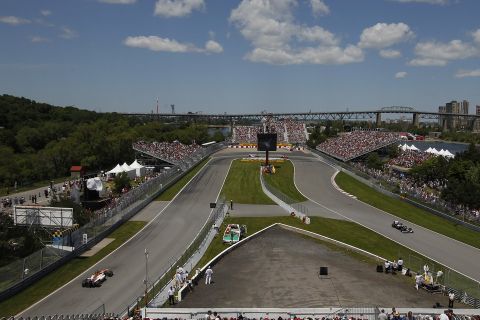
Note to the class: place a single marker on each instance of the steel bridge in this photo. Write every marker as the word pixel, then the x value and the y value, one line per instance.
pixel 443 118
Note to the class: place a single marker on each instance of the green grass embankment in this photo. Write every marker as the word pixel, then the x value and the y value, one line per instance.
pixel 407 211
pixel 243 184
pixel 67 272
pixel 283 181
pixel 168 194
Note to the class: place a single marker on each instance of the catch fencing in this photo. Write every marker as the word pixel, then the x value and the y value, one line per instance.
pixel 164 279
pixel 466 290
pixel 21 273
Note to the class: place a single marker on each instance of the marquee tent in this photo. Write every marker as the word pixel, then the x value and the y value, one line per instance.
pixel 139 169
pixel 115 170
pixel 131 173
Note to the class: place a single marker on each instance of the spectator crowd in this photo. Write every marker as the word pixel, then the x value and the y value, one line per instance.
pixel 172 152
pixel 287 130
pixel 410 158
pixel 356 143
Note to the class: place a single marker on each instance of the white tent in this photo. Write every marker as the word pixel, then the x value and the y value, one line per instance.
pixel 449 154
pixel 434 151
pixel 413 148
pixel 131 173
pixel 405 147
pixel 400 145
pixel 429 150
pixel 115 170
pixel 139 169
pixel 441 152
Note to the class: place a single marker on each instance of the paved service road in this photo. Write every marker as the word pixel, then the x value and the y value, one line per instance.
pixel 313 179
pixel 166 237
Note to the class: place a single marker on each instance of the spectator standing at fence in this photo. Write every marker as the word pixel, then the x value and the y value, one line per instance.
pixel 208 275
pixel 451 299
pixel 171 297
pixel 382 315
pixel 400 264
pixel 418 280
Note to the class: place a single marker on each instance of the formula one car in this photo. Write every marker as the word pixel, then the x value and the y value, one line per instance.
pixel 96 279
pixel 401 227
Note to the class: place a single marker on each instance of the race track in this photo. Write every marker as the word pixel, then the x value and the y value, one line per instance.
pixel 166 237
pixel 312 178
pixel 169 234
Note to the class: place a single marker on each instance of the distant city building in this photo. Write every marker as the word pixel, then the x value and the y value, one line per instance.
pixel 454 107
pixel 476 125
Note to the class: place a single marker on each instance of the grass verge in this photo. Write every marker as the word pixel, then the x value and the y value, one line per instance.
pixel 168 194
pixel 350 233
pixel 407 211
pixel 243 184
pixel 282 180
pixel 67 272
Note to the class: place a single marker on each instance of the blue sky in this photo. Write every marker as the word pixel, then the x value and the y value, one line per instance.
pixel 241 56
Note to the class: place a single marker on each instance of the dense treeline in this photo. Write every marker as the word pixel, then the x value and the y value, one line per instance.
pixel 40 142
pixel 460 175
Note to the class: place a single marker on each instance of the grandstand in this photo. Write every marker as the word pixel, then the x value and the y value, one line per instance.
pixel 354 144
pixel 288 132
pixel 171 152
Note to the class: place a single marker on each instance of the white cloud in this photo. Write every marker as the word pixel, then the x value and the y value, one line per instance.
pixel 155 43
pixel 319 7
pixel 390 54
pixel 270 27
pixel 427 62
pixel 383 35
pixel 213 47
pixel 118 1
pixel 433 53
pixel 177 8
pixel 316 34
pixel 45 13
pixel 400 75
pixel 439 2
pixel 14 21
pixel 476 36
pixel 467 73
pixel 37 39
pixel 67 33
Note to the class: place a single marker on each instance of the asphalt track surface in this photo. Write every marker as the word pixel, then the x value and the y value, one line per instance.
pixel 169 234
pixel 312 178
pixel 166 237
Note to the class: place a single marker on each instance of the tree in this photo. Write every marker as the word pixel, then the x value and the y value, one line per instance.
pixel 374 161
pixel 121 181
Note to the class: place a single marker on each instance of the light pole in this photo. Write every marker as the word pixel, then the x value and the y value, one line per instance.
pixel 146 281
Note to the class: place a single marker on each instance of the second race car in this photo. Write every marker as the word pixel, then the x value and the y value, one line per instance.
pixel 401 227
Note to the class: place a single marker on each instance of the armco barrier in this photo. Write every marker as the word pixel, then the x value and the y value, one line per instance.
pixel 126 214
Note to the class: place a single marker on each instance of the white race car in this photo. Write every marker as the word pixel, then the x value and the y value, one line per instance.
pixel 96 279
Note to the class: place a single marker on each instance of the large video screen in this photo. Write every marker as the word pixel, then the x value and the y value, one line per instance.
pixel 267 142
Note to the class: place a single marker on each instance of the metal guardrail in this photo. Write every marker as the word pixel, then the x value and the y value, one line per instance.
pixel 280 195
pixel 39 263
pixel 164 279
